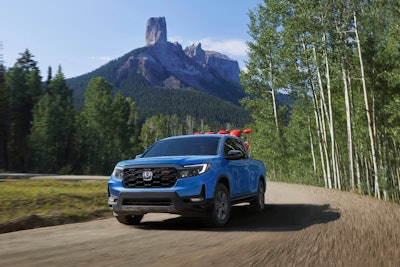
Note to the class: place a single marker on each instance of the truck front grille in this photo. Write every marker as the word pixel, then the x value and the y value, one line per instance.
pixel 147 202
pixel 159 178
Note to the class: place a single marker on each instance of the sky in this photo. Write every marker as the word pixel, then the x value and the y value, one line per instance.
pixel 82 35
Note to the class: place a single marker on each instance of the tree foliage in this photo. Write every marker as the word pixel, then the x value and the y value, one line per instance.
pixel 106 125
pixel 23 89
pixel 53 128
pixel 340 62
pixel 3 117
pixel 42 131
pixel 152 100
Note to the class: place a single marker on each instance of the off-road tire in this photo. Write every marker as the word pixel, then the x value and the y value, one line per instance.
pixel 221 208
pixel 258 203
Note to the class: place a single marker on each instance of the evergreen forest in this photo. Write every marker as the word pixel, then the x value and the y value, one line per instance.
pixel 44 130
pixel 339 62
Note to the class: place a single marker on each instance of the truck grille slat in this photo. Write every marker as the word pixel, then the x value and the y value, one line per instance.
pixel 162 177
pixel 147 202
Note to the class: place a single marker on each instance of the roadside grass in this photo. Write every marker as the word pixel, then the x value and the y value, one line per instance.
pixel 52 202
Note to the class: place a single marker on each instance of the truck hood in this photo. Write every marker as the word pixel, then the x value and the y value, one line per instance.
pixel 176 160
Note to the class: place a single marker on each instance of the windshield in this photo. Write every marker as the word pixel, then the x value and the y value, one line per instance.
pixel 184 147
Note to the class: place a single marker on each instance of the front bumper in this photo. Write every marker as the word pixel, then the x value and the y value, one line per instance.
pixel 138 203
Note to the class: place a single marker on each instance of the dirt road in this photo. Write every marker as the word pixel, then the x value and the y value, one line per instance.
pixel 301 226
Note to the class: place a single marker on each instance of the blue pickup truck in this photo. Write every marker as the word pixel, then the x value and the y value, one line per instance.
pixel 192 175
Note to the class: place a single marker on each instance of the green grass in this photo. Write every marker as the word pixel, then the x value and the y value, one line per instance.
pixel 56 200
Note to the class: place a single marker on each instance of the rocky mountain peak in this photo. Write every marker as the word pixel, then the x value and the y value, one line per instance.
pixel 227 67
pixel 197 53
pixel 156 31
pixel 166 64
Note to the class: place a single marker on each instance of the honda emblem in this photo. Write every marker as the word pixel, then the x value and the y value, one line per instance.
pixel 147 176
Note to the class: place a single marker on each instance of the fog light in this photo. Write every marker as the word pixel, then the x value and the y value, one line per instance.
pixel 196 199
pixel 112 199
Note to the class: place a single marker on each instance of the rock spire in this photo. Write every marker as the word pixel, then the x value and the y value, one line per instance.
pixel 156 31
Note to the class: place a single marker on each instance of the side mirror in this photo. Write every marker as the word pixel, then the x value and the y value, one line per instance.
pixel 138 156
pixel 234 154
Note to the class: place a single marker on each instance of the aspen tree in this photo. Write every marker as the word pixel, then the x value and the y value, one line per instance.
pixel 368 113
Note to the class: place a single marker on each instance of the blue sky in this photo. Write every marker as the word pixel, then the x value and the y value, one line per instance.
pixel 82 35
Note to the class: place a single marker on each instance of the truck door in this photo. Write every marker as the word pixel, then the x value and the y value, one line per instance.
pixel 238 167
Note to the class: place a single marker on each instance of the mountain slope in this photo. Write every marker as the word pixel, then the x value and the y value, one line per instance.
pixel 162 78
pixel 153 100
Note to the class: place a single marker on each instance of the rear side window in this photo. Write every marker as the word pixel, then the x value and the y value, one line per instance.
pixel 234 144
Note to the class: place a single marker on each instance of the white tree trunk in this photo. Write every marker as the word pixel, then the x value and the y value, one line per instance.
pixel 273 94
pixel 335 165
pixel 319 134
pixel 324 145
pixel 358 173
pixel 317 116
pixel 320 143
pixel 325 114
pixel 369 119
pixel 312 144
pixel 349 131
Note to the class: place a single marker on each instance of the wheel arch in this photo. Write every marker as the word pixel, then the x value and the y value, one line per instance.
pixel 263 180
pixel 225 181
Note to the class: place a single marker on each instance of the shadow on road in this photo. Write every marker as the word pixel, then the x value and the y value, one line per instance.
pixel 275 217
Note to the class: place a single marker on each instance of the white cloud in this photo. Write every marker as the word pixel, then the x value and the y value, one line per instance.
pixel 101 58
pixel 233 47
pixel 174 39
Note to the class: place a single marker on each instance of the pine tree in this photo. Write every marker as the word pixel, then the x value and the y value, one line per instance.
pixel 49 78
pixel 4 115
pixel 53 128
pixel 23 83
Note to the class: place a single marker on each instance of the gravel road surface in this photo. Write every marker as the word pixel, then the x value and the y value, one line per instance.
pixel 301 226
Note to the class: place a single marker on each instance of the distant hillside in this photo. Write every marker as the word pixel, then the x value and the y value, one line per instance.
pixel 162 78
pixel 110 72
pixel 152 100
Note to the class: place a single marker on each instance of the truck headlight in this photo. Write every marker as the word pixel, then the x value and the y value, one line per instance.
pixel 193 170
pixel 118 173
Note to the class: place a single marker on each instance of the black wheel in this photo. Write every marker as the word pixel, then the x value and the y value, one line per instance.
pixel 222 207
pixel 129 219
pixel 258 203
